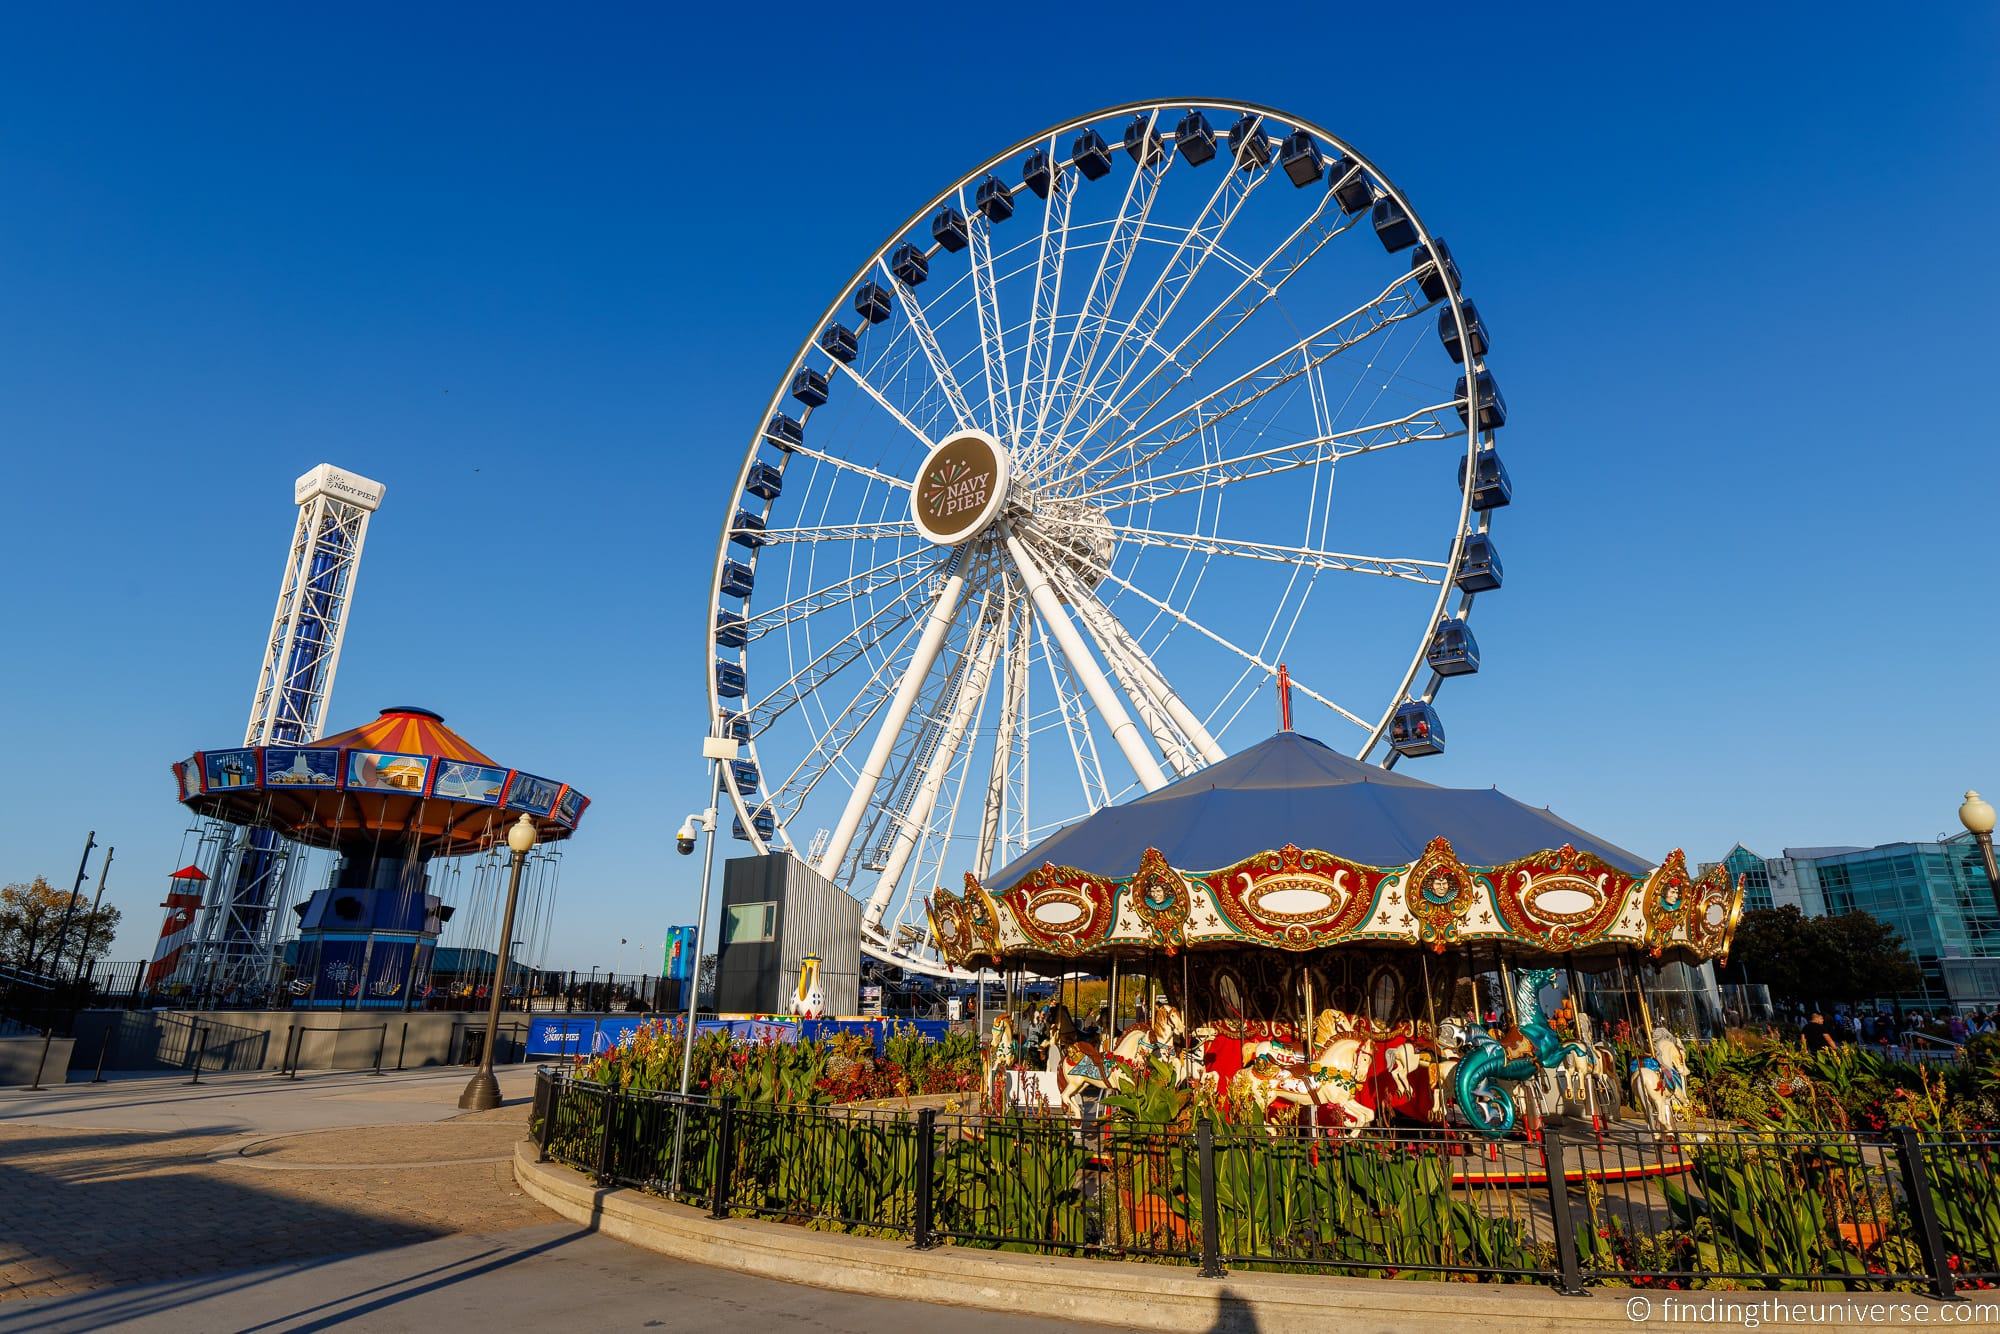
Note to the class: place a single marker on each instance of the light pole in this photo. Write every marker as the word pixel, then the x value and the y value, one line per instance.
pixel 717 750
pixel 1976 814
pixel 75 894
pixel 90 922
pixel 482 1092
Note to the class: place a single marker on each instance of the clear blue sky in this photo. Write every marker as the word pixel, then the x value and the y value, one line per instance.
pixel 538 272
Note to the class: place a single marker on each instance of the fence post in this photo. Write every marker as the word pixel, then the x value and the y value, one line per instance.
pixel 725 1157
pixel 920 1227
pixel 201 1052
pixel 402 1044
pixel 546 1093
pixel 1923 1211
pixel 1211 1218
pixel 1569 1272
pixel 97 1075
pixel 604 1138
pixel 381 1041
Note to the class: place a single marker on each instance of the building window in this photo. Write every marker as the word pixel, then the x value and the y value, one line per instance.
pixel 749 923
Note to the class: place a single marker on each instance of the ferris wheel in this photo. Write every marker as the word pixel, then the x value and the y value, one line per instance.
pixel 1049 492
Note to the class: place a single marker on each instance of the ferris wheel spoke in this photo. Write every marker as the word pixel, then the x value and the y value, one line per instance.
pixel 1040 351
pixel 1190 255
pixel 919 324
pixel 830 660
pixel 847 465
pixel 1411 569
pixel 1206 338
pixel 1006 781
pixel 1430 423
pixel 1102 295
pixel 854 588
pixel 992 340
pixel 1401 300
pixel 832 532
pixel 931 768
pixel 1268 669
pixel 881 401
pixel 830 743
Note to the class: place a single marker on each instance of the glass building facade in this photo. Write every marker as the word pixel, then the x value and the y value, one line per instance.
pixel 1935 896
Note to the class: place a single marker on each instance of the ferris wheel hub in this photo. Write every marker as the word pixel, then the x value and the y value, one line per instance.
pixel 961 488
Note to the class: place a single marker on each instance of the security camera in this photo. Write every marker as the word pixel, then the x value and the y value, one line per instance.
pixel 684 837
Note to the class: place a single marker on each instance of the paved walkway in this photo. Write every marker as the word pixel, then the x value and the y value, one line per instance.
pixel 250 1202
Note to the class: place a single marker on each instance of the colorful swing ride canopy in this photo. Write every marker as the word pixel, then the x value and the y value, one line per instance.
pixel 404 776
pixel 1290 845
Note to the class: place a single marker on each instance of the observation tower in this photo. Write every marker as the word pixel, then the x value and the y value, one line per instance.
pixel 234 942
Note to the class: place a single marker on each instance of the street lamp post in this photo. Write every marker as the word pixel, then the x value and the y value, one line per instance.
pixel 718 751
pixel 482 1092
pixel 1976 814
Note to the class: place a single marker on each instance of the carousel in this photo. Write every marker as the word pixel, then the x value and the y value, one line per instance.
pixel 1341 946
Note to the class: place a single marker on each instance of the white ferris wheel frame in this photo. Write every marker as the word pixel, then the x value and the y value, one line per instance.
pixel 1185 742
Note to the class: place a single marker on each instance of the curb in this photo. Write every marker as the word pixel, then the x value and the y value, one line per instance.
pixel 1123 1292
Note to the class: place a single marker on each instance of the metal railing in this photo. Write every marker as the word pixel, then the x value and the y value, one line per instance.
pixel 1831 1211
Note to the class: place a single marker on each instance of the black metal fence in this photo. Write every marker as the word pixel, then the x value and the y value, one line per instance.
pixel 1834 1211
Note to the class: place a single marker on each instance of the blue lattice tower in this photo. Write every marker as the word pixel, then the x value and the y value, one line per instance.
pixel 254 870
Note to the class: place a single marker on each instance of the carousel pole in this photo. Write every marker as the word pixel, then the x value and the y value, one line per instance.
pixel 1589 1044
pixel 1307 1033
pixel 1111 1006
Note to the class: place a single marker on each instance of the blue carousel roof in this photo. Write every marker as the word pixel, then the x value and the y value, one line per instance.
pixel 1293 789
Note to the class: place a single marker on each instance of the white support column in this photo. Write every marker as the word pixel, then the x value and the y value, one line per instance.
pixel 921 660
pixel 903 841
pixel 1013 697
pixel 1150 678
pixel 1177 752
pixel 1123 730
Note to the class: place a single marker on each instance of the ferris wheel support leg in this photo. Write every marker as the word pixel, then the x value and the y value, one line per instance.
pixel 921 660
pixel 971 694
pixel 1123 730
pixel 1150 677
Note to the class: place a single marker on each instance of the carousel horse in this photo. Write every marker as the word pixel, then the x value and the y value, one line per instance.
pixel 1519 1054
pixel 1075 1062
pixel 1000 1050
pixel 1159 1037
pixel 1332 1079
pixel 1660 1081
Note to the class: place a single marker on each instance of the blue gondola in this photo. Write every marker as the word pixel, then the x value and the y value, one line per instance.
pixel 1415 730
pixel 1492 407
pixel 1393 227
pixel 1038 172
pixel 1434 278
pixel 994 199
pixel 1302 159
pixel 767 824
pixel 949 229
pixel 738 579
pixel 747 530
pixel 745 774
pixel 1249 146
pixel 909 265
pixel 784 432
pixel 1491 487
pixel 1475 330
pixel 809 386
pixel 1195 138
pixel 729 680
pixel 872 303
pixel 1453 651
pixel 1349 184
pixel 1091 155
pixel 766 481
pixel 730 630
pixel 1479 567
pixel 736 725
pixel 1143 142
pixel 838 341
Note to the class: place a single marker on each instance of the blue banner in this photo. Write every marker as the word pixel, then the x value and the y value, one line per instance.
pixel 559 1036
pixel 678 965
pixel 616 1032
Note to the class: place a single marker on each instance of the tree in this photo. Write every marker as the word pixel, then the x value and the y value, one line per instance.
pixel 1855 956
pixel 31 916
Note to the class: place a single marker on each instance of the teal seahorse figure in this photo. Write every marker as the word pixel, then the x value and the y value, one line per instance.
pixel 1488 1107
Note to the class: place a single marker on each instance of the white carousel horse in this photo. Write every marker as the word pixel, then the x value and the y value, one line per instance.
pixel 1660 1081
pixel 1074 1062
pixel 1159 1037
pixel 1000 1050
pixel 1332 1078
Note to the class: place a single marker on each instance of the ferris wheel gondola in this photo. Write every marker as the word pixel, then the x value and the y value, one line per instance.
pixel 1048 492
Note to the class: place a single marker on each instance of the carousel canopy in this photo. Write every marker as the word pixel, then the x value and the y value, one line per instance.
pixel 404 776
pixel 1291 845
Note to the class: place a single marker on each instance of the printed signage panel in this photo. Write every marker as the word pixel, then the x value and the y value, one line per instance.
pixel 558 1036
